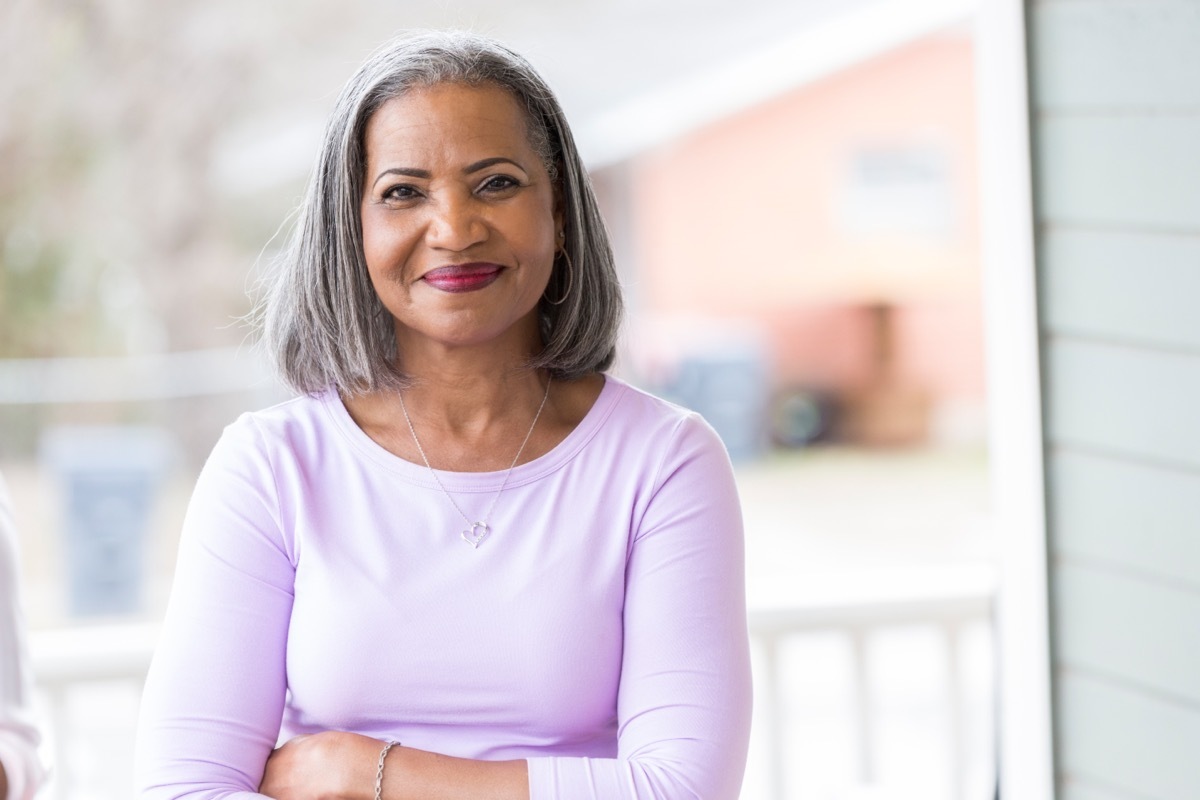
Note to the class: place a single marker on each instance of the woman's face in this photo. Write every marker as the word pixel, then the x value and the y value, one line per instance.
pixel 459 218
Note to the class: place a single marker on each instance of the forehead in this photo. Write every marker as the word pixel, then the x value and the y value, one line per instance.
pixel 447 120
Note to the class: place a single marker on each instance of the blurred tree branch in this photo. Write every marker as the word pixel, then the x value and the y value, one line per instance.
pixel 111 234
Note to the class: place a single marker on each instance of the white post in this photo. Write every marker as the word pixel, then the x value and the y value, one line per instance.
pixel 864 709
pixel 772 683
pixel 956 697
pixel 57 701
pixel 1026 768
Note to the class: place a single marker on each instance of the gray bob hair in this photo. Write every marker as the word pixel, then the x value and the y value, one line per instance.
pixel 321 320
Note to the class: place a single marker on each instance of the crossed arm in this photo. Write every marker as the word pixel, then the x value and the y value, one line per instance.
pixel 343 766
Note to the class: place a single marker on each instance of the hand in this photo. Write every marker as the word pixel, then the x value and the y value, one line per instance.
pixel 332 765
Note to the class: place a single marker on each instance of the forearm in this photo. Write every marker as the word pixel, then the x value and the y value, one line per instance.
pixel 420 775
pixel 342 765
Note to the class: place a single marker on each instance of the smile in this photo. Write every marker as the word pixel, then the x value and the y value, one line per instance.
pixel 463 277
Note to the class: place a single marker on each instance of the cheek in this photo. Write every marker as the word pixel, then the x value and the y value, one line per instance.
pixel 382 247
pixel 541 238
pixel 375 224
pixel 539 257
pixel 370 237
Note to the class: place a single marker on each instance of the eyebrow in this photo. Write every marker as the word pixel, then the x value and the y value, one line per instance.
pixel 425 174
pixel 490 162
pixel 408 171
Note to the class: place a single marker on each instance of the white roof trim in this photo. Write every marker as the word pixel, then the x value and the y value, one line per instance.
pixel 668 112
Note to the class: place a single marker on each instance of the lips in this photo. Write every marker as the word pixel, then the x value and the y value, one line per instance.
pixel 462 277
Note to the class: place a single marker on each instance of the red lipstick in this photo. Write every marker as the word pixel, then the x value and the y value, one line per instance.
pixel 462 277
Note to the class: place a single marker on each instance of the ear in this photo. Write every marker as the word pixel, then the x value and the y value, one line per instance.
pixel 559 208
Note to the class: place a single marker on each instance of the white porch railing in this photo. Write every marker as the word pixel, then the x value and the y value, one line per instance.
pixel 858 605
pixel 70 657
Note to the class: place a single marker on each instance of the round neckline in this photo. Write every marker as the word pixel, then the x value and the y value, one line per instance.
pixel 528 472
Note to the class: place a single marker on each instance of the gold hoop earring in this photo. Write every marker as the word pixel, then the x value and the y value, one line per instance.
pixel 570 280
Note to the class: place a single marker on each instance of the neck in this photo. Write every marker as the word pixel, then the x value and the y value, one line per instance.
pixel 464 387
pixel 471 401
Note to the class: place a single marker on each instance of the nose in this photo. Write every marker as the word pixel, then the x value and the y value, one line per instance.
pixel 456 224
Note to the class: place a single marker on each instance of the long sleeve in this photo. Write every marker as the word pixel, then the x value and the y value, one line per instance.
pixel 215 693
pixel 18 737
pixel 684 697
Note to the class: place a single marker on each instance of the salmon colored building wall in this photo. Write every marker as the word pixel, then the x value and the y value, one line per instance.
pixel 746 219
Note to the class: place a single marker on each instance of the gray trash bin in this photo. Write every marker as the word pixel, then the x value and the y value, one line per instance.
pixel 110 476
pixel 730 390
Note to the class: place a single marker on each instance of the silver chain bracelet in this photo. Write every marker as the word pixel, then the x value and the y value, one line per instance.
pixel 379 771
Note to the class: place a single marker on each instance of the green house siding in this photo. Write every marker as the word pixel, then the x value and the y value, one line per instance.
pixel 1116 137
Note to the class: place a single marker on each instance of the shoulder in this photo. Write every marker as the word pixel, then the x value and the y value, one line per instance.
pixel 657 431
pixel 293 425
pixel 651 415
pixel 256 470
pixel 679 462
pixel 260 449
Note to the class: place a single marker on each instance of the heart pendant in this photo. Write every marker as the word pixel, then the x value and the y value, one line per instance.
pixel 475 535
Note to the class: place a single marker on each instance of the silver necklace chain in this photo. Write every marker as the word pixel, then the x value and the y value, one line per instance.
pixel 475 532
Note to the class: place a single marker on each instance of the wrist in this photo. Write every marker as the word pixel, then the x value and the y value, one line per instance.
pixel 349 765
pixel 381 768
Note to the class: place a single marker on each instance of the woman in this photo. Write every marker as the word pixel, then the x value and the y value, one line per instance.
pixel 20 769
pixel 462 538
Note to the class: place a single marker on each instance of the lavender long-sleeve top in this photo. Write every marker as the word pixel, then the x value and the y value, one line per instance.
pixel 600 632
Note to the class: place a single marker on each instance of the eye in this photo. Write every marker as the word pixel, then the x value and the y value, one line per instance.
pixel 499 184
pixel 401 193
